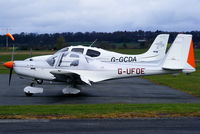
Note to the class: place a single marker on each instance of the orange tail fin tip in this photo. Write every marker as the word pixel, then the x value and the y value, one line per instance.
pixel 191 59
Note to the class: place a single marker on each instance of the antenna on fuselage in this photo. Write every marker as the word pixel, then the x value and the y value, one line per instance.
pixel 31 52
pixel 93 43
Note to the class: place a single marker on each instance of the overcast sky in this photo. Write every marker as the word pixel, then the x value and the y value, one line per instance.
pixel 49 16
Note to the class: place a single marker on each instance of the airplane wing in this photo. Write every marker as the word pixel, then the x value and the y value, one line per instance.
pixel 61 73
pixel 85 76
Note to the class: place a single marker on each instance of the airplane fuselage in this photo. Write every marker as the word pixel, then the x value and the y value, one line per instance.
pixel 104 71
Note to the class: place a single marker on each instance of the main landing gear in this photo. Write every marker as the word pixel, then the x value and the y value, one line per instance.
pixel 71 89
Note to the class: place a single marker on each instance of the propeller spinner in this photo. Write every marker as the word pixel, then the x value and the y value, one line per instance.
pixel 10 65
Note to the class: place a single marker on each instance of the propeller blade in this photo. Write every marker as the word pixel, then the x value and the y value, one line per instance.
pixel 10 75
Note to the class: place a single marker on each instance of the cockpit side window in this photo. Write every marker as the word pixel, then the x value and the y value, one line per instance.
pixel 92 53
pixel 68 60
pixel 63 55
pixel 80 50
pixel 74 56
pixel 74 63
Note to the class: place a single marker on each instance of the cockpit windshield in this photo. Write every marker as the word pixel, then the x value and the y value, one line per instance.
pixel 51 60
pixel 62 50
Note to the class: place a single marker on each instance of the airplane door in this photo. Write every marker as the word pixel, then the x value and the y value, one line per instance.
pixel 67 60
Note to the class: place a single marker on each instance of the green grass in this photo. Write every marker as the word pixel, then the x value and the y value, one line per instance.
pixel 197 54
pixel 186 83
pixel 183 82
pixel 102 110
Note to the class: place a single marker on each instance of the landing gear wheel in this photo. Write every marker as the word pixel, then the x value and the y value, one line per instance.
pixel 28 94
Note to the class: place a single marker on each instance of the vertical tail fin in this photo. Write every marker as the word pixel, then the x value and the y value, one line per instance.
pixel 181 55
pixel 158 49
pixel 191 59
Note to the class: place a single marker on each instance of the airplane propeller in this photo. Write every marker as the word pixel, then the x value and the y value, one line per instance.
pixel 10 76
pixel 9 65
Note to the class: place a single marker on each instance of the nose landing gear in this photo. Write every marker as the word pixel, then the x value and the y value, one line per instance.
pixel 28 94
pixel 30 90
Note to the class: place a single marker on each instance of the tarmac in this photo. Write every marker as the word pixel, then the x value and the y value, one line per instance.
pixel 131 90
pixel 103 126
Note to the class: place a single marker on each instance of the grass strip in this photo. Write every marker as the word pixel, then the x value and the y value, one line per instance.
pixel 73 111
pixel 182 82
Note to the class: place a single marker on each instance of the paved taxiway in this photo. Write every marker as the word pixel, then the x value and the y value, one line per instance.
pixel 132 90
pixel 105 126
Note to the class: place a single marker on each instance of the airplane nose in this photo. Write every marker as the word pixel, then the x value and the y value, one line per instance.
pixel 8 64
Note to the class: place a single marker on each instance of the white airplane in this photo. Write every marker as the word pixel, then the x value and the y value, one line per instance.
pixel 156 52
pixel 75 68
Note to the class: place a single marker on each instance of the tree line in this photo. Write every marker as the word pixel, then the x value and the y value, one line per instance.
pixel 58 40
